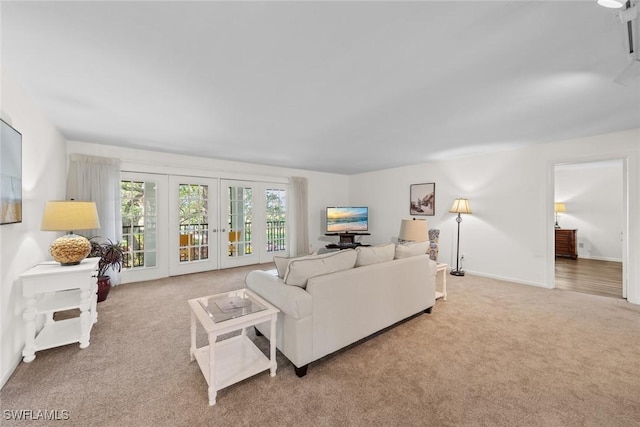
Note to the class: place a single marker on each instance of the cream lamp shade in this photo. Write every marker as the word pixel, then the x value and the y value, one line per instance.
pixel 559 207
pixel 414 230
pixel 460 206
pixel 70 215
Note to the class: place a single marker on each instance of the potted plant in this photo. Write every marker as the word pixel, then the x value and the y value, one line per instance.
pixel 111 257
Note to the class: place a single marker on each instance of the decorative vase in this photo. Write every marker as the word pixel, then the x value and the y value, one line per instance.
pixel 104 286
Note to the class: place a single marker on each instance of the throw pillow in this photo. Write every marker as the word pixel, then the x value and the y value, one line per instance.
pixel 406 250
pixel 300 271
pixel 283 262
pixel 374 254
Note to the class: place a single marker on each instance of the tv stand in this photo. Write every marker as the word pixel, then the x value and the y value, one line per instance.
pixel 347 238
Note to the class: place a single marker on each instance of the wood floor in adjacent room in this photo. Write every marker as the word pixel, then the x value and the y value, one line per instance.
pixel 589 276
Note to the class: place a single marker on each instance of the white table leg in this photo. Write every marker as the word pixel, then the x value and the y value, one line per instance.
pixel 29 315
pixel 272 345
pixel 94 302
pixel 192 349
pixel 212 370
pixel 85 318
pixel 444 284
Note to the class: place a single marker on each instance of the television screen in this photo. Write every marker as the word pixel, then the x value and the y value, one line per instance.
pixel 347 219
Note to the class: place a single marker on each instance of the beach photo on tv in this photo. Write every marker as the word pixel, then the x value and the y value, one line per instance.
pixel 345 219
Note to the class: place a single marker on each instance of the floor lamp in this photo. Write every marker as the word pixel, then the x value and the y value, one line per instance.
pixel 460 206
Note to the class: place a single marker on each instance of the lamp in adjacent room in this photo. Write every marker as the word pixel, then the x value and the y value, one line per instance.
pixel 559 208
pixel 70 215
pixel 460 206
pixel 412 230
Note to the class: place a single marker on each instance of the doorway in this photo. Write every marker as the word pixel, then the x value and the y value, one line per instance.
pixel 590 223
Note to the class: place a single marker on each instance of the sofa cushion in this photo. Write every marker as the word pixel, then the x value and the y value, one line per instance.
pixel 301 269
pixel 281 265
pixel 283 262
pixel 374 254
pixel 406 250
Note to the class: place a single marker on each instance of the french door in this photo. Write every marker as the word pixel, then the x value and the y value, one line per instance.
pixel 176 225
pixel 253 222
pixel 143 203
pixel 237 215
pixel 192 225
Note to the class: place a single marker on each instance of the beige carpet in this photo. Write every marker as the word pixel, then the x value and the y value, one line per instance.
pixel 493 354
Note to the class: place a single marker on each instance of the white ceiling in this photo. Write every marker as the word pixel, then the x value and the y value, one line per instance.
pixel 331 86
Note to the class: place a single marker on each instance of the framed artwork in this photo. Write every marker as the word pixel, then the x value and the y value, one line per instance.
pixel 10 174
pixel 422 199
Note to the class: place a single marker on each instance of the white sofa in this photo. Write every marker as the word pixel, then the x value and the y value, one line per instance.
pixel 330 311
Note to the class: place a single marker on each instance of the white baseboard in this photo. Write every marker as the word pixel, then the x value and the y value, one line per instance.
pixel 510 279
pixel 597 258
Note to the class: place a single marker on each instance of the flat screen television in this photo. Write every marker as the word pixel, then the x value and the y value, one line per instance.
pixel 347 219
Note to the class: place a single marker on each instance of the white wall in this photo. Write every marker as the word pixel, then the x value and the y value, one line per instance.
pixel 23 245
pixel 593 195
pixel 510 233
pixel 325 189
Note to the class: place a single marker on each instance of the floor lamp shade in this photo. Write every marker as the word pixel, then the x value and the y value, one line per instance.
pixel 460 206
pixel 70 215
pixel 414 230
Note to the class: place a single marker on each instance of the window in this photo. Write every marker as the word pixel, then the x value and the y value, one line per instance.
pixel 276 214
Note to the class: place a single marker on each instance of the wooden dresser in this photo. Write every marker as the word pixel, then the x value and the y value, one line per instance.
pixel 567 243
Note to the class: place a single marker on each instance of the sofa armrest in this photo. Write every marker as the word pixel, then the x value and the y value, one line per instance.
pixel 292 300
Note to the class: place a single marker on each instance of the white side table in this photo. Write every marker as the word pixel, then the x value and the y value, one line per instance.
pixel 441 270
pixel 229 361
pixel 48 288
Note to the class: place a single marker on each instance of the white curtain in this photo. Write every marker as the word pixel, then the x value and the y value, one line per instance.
pixel 299 215
pixel 97 179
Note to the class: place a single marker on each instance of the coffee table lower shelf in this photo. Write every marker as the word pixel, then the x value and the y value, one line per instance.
pixel 236 359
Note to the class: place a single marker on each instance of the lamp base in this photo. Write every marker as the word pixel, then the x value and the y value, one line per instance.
pixel 457 272
pixel 70 249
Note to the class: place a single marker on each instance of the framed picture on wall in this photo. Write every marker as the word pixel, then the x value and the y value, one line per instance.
pixel 422 199
pixel 10 174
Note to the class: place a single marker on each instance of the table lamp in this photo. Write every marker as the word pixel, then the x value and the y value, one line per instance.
pixel 413 230
pixel 69 215
pixel 559 208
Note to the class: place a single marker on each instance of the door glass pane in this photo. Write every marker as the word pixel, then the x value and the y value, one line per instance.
pixel 193 201
pixel 139 218
pixel 240 208
pixel 276 220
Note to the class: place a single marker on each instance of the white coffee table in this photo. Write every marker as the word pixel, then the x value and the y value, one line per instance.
pixel 233 359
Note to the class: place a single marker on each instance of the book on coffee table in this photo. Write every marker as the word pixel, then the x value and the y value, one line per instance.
pixel 232 303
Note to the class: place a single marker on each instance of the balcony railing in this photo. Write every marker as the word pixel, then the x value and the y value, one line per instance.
pixel 198 236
